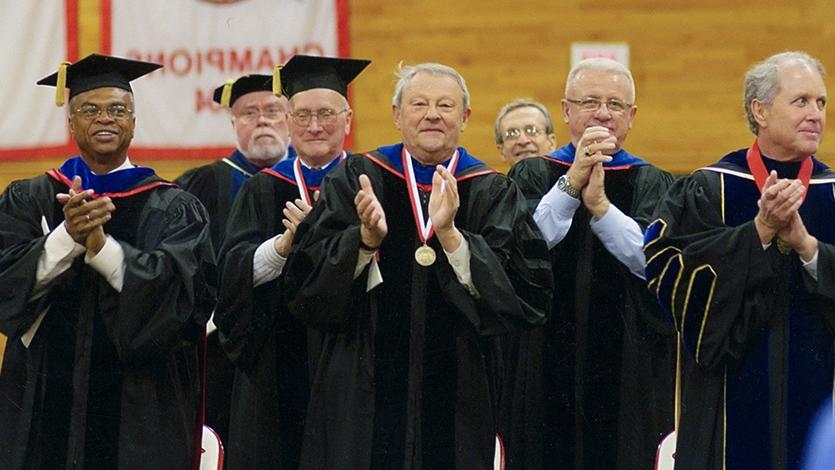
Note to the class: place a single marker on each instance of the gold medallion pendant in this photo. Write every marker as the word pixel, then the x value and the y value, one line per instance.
pixel 425 255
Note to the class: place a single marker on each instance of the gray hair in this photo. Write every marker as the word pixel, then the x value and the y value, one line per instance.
pixel 522 103
pixel 406 73
pixel 601 64
pixel 762 81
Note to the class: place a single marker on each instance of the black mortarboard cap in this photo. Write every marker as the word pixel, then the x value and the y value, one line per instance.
pixel 234 89
pixel 96 71
pixel 304 72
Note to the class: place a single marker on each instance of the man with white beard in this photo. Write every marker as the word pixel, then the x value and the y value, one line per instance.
pixel 259 119
pixel 269 348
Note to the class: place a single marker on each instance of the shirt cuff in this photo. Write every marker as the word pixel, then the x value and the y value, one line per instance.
pixel 460 262
pixel 610 219
pixel 363 258
pixel 59 243
pixel 267 264
pixel 375 276
pixel 554 214
pixel 109 262
pixel 811 266
pixel 560 202
pixel 59 252
pixel 622 237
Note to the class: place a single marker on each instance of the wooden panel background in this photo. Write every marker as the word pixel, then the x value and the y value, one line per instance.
pixel 688 59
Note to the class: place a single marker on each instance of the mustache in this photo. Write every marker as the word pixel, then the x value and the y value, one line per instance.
pixel 262 132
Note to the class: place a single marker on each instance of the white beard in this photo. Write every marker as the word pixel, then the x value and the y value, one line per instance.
pixel 258 152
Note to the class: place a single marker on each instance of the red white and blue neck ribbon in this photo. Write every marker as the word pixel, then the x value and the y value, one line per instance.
pixel 424 226
pixel 302 184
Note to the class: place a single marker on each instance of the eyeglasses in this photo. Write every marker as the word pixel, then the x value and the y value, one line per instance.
pixel 248 116
pixel 590 104
pixel 91 111
pixel 324 116
pixel 514 133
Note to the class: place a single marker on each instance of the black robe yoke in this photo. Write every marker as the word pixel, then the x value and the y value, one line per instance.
pixel 111 379
pixel 267 346
pixel 403 379
pixel 757 328
pixel 216 185
pixel 608 354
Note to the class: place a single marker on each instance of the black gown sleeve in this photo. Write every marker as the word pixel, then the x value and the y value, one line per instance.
pixel 650 187
pixel 318 277
pixel 533 177
pixel 509 260
pixel 716 281
pixel 165 299
pixel 823 288
pixel 245 315
pixel 203 183
pixel 21 245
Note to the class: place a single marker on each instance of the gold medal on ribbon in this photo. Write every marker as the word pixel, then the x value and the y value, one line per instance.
pixel 783 247
pixel 425 255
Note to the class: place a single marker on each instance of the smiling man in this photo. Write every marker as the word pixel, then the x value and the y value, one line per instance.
pixel 103 267
pixel 742 258
pixel 524 129
pixel 419 253
pixel 607 353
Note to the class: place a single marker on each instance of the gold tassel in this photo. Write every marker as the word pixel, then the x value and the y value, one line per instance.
pixel 61 84
pixel 226 95
pixel 277 90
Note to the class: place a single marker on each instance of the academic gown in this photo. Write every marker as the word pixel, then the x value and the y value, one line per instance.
pixel 757 328
pixel 403 380
pixel 111 379
pixel 608 353
pixel 267 346
pixel 216 185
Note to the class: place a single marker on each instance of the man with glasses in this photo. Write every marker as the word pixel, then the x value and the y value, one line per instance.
pixel 259 120
pixel 524 129
pixel 269 348
pixel 418 255
pixel 742 257
pixel 608 354
pixel 103 268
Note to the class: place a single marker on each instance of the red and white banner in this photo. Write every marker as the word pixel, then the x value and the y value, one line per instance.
pixel 201 44
pixel 37 36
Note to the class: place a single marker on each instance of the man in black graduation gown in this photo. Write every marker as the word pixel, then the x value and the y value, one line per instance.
pixel 742 257
pixel 259 120
pixel 415 254
pixel 103 267
pixel 268 347
pixel 608 355
pixel 261 141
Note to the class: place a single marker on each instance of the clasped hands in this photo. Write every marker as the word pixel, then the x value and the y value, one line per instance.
pixel 778 216
pixel 84 217
pixel 586 173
